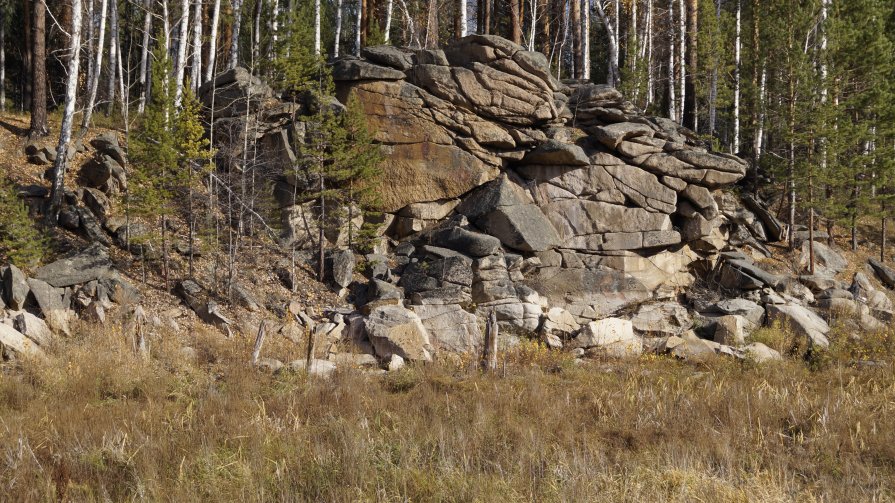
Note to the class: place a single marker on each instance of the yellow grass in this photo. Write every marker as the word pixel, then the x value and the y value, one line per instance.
pixel 97 423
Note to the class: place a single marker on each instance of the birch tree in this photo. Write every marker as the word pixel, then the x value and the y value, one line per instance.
pixel 690 117
pixel 93 85
pixel 71 92
pixel 182 43
pixel 672 101
pixel 613 76
pixel 196 68
pixel 737 76
pixel 144 56
pixel 212 42
pixel 317 28
pixel 338 35
pixel 389 7
pixel 235 32
pixel 113 55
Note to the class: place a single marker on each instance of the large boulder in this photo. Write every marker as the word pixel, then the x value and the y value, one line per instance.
pixel 16 341
pixel 802 321
pixel 397 330
pixel 49 299
pixel 15 288
pixel 90 264
pixel 450 328
pixel 609 336
pixel 827 261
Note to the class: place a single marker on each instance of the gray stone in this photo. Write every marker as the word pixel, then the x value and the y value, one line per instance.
pixel 663 319
pixel 523 227
pixel 15 288
pixel 730 330
pixel 388 55
pixel 470 243
pixel 397 330
pixel 92 263
pixel 341 267
pixel 613 134
pixel 750 311
pixel 826 259
pixel 559 323
pixel 450 328
pixel 49 299
pixel 883 272
pixel 743 275
pixel 32 327
pixel 12 339
pixel 191 293
pixel 357 69
pixel 802 321
pixel 97 203
pixel 611 337
pixel 318 368
pixel 759 353
pixel 557 153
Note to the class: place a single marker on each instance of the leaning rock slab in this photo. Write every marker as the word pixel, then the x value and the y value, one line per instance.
pixel 49 299
pixel 613 336
pixel 802 321
pixel 91 264
pixel 15 286
pixel 397 330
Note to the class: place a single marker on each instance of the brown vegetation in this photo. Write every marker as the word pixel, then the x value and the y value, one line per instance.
pixel 97 423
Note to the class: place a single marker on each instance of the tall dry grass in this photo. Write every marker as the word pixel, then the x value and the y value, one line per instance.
pixel 97 423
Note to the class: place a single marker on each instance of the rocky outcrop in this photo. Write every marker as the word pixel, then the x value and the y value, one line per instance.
pixel 558 207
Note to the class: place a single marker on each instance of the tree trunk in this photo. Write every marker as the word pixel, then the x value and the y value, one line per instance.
pixel 39 72
pixel 113 55
pixel 516 21
pixel 2 62
pixel 461 18
pixel 672 100
pixel 182 43
pixel 338 35
pixel 212 42
pixel 97 67
pixel 360 28
pixel 613 77
pixel 144 56
pixel 27 48
pixel 234 33
pixel 690 116
pixel 317 45
pixel 737 71
pixel 196 68
pixel 432 25
pixel 682 59
pixel 489 353
pixel 544 8
pixel 256 35
pixel 585 41
pixel 648 60
pixel 713 90
pixel 364 20
pixel 71 95
pixel 387 32
pixel 577 55
pixel 486 17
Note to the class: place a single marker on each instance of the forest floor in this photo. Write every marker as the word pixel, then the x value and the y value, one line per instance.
pixel 193 421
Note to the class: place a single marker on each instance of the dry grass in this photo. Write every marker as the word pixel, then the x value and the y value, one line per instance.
pixel 97 423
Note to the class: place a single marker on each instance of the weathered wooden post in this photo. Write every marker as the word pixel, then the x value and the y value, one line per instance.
pixel 259 341
pixel 489 354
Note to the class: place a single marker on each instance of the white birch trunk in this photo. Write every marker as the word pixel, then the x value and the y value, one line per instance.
pixel 713 91
pixel 635 42
pixel 464 20
pixel 317 46
pixel 338 34
pixel 389 6
pixel 97 66
pixel 166 27
pixel 759 134
pixel 212 42
pixel 534 23
pixel 196 68
pixel 71 95
pixel 672 101
pixel 182 43
pixel 613 75
pixel 682 65
pixel 275 28
pixel 650 76
pixel 144 57
pixel 358 29
pixel 585 37
pixel 113 53
pixel 737 62
pixel 234 36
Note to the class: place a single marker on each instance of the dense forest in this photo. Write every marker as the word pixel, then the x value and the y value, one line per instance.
pixel 801 88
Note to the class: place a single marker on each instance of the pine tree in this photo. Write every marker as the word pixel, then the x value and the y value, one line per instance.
pixel 21 242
